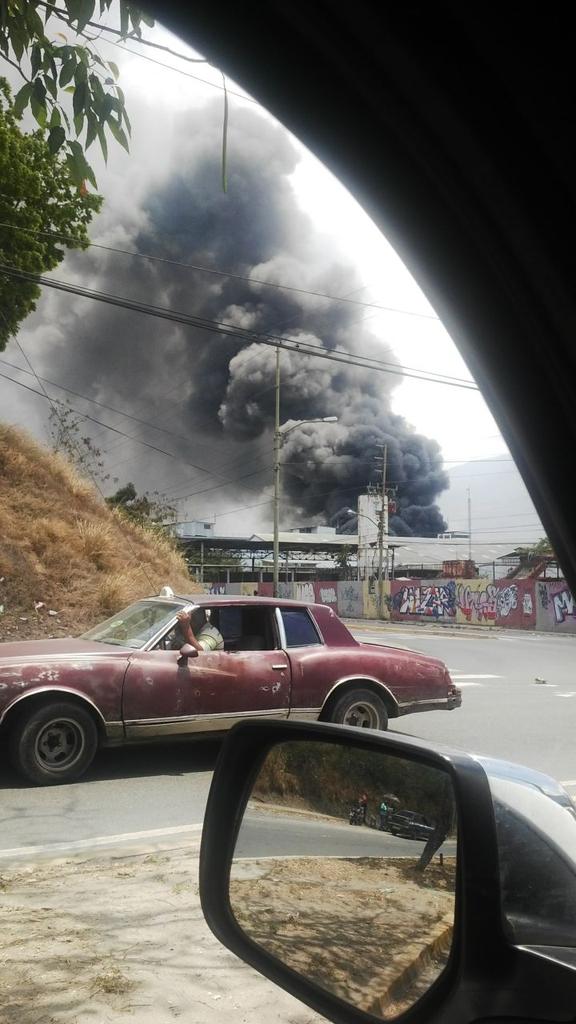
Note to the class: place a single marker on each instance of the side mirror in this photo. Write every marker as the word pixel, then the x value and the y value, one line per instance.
pixel 407 913
pixel 186 651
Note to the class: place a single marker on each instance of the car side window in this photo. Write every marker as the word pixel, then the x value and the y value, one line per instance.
pixel 230 625
pixel 299 628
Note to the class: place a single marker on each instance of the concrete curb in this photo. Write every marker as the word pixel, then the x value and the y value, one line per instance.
pixel 438 946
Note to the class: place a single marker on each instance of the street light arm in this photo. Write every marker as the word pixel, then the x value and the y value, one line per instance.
pixel 363 516
pixel 317 419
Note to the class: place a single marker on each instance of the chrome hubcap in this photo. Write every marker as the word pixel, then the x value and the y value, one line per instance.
pixel 59 744
pixel 361 716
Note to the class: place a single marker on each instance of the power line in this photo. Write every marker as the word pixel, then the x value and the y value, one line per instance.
pixel 137 440
pixel 218 273
pixel 104 405
pixel 507 515
pixel 180 71
pixel 230 330
pixel 241 508
pixel 62 15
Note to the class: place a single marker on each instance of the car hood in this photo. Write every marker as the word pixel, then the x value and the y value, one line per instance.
pixel 509 771
pixel 53 650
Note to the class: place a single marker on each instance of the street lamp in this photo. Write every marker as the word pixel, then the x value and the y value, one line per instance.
pixel 380 527
pixel 279 438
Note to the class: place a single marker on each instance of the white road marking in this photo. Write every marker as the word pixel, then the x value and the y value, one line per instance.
pixel 570 782
pixel 467 682
pixel 88 844
pixel 573 694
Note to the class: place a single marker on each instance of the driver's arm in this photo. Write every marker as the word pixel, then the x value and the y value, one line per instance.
pixel 187 633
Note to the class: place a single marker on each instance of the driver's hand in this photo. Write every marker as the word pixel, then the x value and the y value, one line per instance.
pixel 184 618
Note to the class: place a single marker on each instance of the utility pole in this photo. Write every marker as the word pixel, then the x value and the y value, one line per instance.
pixel 469 526
pixel 381 534
pixel 277 445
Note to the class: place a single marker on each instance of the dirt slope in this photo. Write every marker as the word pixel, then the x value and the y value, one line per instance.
pixel 63 547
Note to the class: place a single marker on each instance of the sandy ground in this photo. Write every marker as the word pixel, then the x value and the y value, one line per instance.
pixel 123 938
pixel 113 938
pixel 373 931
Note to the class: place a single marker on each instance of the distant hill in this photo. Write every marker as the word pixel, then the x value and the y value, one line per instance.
pixel 63 547
pixel 502 509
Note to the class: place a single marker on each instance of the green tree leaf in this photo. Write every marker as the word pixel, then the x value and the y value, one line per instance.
pixel 34 164
pixel 118 134
pixel 67 71
pixel 57 65
pixel 103 143
pixel 127 121
pixel 51 85
pixel 22 99
pixel 92 130
pixel 35 59
pixel 39 90
pixel 86 13
pixel 79 98
pixel 56 138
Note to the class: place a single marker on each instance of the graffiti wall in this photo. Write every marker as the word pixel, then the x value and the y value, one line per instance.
pixel 327 593
pixel 423 600
pixel 555 607
pixel 350 599
pixel 504 603
pixel 517 604
pixel 478 602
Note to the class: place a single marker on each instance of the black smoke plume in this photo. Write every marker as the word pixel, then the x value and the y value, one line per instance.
pixel 216 391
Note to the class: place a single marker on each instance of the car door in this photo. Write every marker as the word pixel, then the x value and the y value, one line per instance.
pixel 313 665
pixel 209 693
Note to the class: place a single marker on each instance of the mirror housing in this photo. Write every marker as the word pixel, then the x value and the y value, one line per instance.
pixel 487 975
pixel 186 651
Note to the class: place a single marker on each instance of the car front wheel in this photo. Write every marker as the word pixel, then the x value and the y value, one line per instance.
pixel 362 709
pixel 55 743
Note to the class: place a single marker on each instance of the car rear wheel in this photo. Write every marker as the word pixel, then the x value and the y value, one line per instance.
pixel 362 709
pixel 54 743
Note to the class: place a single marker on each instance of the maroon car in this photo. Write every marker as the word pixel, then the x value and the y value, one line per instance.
pixel 130 680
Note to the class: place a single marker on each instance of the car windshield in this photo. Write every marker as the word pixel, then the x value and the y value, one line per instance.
pixel 136 625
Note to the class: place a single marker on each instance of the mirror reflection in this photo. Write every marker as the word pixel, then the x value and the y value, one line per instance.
pixel 344 869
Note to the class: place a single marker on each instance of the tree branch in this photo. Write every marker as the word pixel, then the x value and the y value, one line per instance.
pixel 15 65
pixel 63 16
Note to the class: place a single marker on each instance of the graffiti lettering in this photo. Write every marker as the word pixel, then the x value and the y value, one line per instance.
pixel 350 599
pixel 305 592
pixel 217 588
pixel 432 600
pixel 563 605
pixel 328 595
pixel 480 604
pixel 527 606
pixel 507 600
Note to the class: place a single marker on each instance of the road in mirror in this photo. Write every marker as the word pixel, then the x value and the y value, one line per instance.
pixel 344 869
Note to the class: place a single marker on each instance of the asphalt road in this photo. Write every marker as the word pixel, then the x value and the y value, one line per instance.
pixel 152 792
pixel 268 835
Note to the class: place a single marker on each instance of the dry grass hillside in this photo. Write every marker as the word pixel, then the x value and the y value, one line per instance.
pixel 62 546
